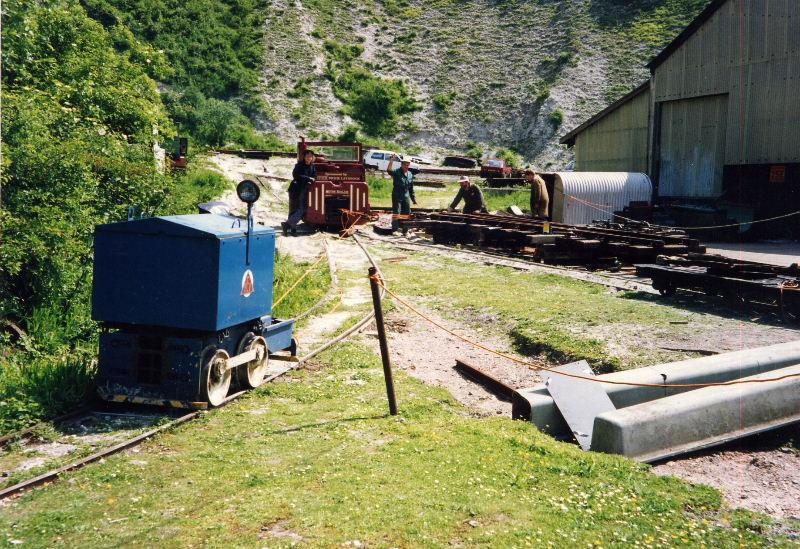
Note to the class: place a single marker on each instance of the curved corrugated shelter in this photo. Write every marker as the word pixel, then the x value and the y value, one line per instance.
pixel 582 197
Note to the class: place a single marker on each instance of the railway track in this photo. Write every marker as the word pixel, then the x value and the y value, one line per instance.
pixel 624 279
pixel 54 474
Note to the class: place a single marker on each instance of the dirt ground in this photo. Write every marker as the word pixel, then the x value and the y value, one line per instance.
pixel 429 354
pixel 759 473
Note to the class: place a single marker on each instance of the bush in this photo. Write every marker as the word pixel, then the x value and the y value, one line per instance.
pixel 556 118
pixel 195 186
pixel 214 46
pixel 215 52
pixel 374 102
pixel 78 120
pixel 442 101
pixel 474 150
pixel 511 158
pixel 35 386
pixel 342 53
pixel 216 120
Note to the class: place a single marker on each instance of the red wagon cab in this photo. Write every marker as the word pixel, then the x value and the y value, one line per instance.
pixel 340 186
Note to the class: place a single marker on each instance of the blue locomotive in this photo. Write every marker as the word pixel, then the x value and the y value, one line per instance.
pixel 185 303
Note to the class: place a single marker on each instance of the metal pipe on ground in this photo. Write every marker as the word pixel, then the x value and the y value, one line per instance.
pixel 699 419
pixel 536 405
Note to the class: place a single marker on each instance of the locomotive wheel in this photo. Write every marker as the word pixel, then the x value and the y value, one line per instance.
pixel 252 374
pixel 215 379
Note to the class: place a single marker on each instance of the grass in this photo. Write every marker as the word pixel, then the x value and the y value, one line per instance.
pixel 380 189
pixel 380 193
pixel 502 200
pixel 306 293
pixel 318 463
pixel 34 385
pixel 543 314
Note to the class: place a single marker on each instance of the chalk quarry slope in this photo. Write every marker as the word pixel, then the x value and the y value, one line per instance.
pixel 516 74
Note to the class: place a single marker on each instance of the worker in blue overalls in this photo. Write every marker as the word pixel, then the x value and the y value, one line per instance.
pixel 303 175
pixel 402 186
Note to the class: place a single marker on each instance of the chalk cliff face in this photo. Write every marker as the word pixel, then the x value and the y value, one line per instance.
pixel 514 74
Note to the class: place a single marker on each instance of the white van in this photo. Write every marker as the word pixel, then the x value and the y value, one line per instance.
pixel 379 159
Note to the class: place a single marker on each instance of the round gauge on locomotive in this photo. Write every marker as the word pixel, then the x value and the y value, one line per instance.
pixel 248 191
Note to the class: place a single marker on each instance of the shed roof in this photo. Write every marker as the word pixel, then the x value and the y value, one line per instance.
pixel 569 139
pixel 698 22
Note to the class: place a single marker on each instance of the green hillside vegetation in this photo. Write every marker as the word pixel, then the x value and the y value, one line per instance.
pixel 213 52
pixel 80 113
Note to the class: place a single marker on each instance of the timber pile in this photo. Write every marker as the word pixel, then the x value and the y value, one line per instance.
pixel 591 245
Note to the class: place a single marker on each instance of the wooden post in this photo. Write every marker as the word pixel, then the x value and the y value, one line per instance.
pixel 387 366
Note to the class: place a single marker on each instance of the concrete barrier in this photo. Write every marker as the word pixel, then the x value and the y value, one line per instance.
pixel 536 405
pixel 699 419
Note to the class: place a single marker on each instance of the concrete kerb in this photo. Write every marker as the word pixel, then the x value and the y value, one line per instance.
pixel 536 405
pixel 698 419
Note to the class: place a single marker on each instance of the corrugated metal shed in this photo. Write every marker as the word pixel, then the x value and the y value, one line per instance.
pixel 618 141
pixel 722 96
pixel 750 50
pixel 582 197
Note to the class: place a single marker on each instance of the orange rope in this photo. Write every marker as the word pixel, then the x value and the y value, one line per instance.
pixel 350 227
pixel 566 374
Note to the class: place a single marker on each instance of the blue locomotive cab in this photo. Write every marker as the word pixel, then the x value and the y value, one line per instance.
pixel 186 306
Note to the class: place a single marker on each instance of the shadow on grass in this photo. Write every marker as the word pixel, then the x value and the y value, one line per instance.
pixel 726 307
pixel 298 428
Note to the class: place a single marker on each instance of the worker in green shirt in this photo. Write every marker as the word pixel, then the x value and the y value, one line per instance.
pixel 472 195
pixel 402 186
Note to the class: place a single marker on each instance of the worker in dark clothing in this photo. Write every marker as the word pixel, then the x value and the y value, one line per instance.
pixel 303 175
pixel 402 186
pixel 472 195
pixel 540 199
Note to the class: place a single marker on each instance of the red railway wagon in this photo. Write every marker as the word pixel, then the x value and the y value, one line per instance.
pixel 341 183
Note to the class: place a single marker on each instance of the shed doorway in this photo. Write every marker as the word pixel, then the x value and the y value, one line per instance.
pixel 692 147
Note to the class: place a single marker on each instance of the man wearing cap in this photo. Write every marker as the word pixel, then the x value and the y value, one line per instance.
pixel 540 200
pixel 303 175
pixel 472 195
pixel 402 186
